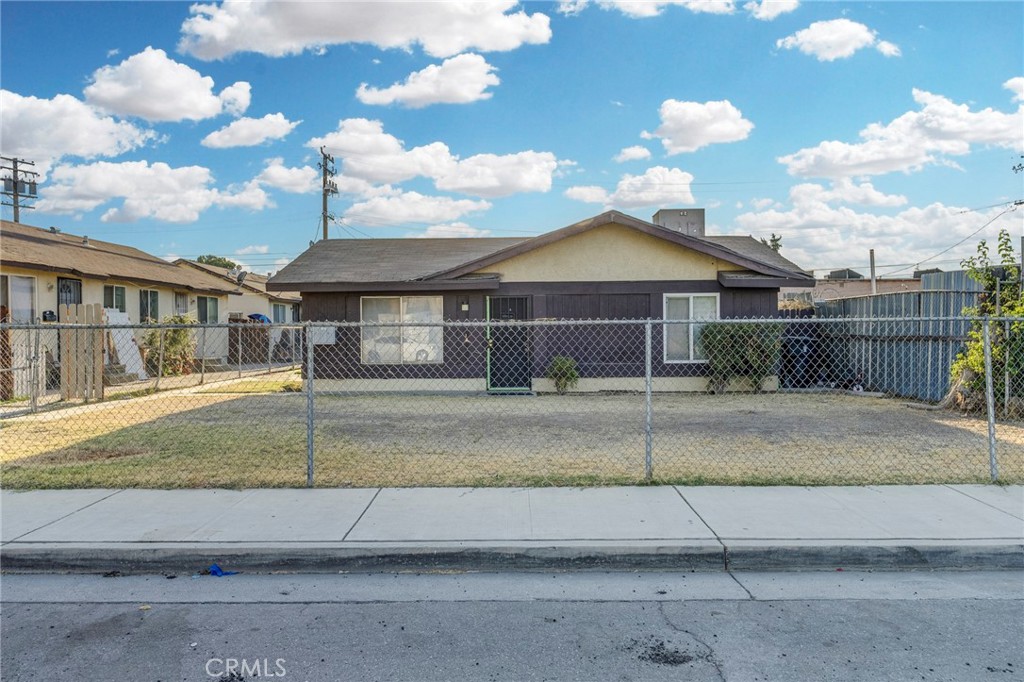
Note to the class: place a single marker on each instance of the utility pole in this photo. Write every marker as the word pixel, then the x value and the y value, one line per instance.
pixel 326 165
pixel 15 186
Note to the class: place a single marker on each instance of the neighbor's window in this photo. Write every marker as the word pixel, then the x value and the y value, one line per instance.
pixel 419 340
pixel 18 295
pixel 180 303
pixel 681 339
pixel 278 313
pixel 114 297
pixel 149 308
pixel 207 310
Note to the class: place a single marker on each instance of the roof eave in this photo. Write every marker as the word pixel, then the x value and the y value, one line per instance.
pixel 488 284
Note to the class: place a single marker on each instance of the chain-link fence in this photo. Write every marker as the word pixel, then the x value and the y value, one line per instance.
pixel 805 401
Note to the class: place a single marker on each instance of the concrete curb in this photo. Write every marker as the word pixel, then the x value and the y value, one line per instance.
pixel 535 557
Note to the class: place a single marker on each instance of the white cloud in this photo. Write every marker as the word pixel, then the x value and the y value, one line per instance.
pixel 1016 86
pixel 836 39
pixel 688 126
pixel 658 186
pixel 248 132
pixel 368 153
pixel 940 128
pixel 411 207
pixel 46 130
pixel 766 10
pixel 817 234
pixel 491 175
pixel 633 153
pixel 236 98
pixel 458 80
pixel 302 180
pixel 640 9
pixel 113 52
pixel 158 191
pixel 282 28
pixel 449 231
pixel 152 86
pixel 844 191
pixel 251 249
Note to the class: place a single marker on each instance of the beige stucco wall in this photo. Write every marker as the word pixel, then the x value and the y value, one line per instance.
pixel 610 253
pixel 92 292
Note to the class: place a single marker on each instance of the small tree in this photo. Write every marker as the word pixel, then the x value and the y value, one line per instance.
pixel 774 242
pixel 1000 296
pixel 219 261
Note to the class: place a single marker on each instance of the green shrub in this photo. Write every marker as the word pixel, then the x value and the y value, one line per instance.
pixel 564 372
pixel 740 350
pixel 1003 299
pixel 179 348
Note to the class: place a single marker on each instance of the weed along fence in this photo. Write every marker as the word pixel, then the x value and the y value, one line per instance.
pixel 569 402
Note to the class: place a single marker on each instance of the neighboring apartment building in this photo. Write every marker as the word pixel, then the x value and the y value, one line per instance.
pixel 42 269
pixel 278 306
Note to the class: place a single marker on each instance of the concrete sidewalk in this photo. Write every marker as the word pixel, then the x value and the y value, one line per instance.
pixel 700 528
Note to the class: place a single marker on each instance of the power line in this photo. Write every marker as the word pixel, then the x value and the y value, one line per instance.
pixel 1011 207
pixel 16 187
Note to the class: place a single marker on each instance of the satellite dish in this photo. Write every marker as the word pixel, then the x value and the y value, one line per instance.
pixel 240 277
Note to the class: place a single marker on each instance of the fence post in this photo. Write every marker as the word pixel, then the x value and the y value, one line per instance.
pixel 309 404
pixel 648 453
pixel 160 360
pixel 36 368
pixel 270 349
pixel 202 359
pixel 1006 369
pixel 993 463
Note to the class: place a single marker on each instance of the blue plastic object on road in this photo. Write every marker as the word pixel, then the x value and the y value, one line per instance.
pixel 219 572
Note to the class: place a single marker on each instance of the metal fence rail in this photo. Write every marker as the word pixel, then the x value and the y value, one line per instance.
pixel 574 402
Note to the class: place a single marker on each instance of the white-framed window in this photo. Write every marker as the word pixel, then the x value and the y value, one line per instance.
pixel 114 297
pixel 681 340
pixel 207 310
pixel 420 339
pixel 149 305
pixel 18 295
pixel 180 303
pixel 278 313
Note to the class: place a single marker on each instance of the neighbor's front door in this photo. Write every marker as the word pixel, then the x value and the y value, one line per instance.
pixel 509 359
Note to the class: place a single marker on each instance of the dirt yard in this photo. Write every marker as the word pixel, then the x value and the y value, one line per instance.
pixel 245 438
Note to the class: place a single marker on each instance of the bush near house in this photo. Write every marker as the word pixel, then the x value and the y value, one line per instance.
pixel 1002 297
pixel 564 372
pixel 179 348
pixel 740 350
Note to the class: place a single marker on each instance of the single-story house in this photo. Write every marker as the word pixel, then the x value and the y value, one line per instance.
pixel 610 266
pixel 41 269
pixel 279 306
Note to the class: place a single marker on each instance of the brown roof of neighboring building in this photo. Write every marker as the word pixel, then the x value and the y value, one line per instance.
pixel 32 247
pixel 253 282
pixel 337 261
pixel 340 264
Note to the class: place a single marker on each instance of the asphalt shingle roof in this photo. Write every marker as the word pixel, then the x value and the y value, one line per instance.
pixel 32 247
pixel 385 260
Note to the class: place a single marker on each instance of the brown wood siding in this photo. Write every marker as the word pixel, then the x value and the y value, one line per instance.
pixel 600 350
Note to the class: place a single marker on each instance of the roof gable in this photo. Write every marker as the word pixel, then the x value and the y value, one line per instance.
pixel 702 246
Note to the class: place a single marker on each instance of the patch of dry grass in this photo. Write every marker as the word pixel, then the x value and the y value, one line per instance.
pixel 257 438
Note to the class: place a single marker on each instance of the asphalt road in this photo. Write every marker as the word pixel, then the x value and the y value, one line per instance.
pixel 514 626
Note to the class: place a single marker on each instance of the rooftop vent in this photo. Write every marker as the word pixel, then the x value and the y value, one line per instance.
pixel 689 221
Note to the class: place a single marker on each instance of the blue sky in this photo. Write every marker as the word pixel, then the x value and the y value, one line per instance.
pixel 189 129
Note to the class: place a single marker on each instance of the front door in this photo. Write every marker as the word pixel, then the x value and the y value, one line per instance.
pixel 69 291
pixel 508 347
